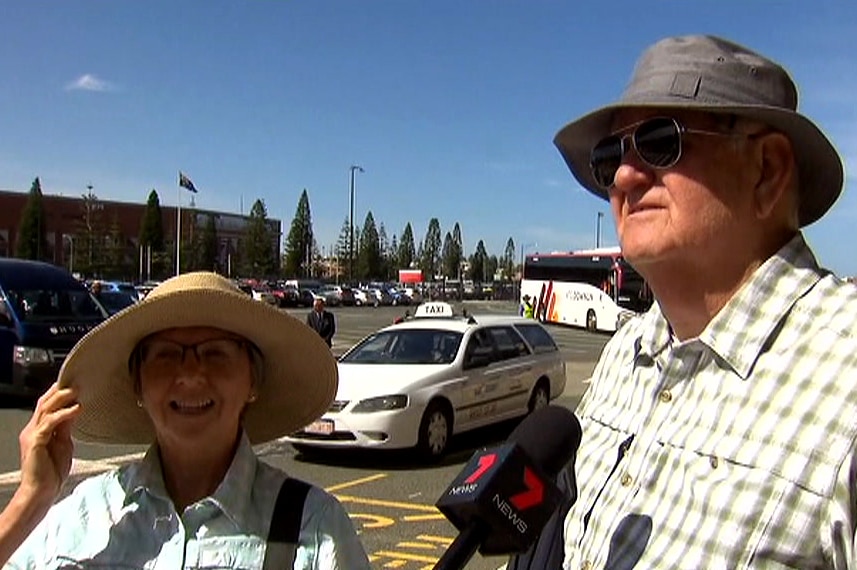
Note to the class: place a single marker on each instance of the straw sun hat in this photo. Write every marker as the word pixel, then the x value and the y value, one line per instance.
pixel 300 374
pixel 707 73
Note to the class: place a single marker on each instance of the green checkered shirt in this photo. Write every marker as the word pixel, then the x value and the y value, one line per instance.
pixel 732 450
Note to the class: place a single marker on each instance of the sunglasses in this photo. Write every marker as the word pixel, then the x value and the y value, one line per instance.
pixel 657 141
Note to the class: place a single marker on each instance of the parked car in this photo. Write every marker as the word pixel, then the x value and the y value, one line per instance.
pixel 288 296
pixel 360 297
pixel 398 297
pixel 44 311
pixel 378 297
pixel 307 297
pixel 332 295
pixel 115 301
pixel 417 383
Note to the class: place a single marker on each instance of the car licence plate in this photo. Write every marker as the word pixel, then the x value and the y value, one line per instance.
pixel 320 427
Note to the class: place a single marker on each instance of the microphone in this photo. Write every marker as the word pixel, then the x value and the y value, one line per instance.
pixel 503 497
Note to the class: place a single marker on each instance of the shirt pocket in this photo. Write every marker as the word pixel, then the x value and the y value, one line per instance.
pixel 232 552
pixel 767 494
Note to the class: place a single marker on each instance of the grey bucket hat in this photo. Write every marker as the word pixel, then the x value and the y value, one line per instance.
pixel 708 73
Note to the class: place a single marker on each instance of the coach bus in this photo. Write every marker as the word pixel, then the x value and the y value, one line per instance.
pixel 595 288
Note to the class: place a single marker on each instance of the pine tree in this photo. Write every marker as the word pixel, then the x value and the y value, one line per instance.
pixel 407 248
pixel 478 263
pixel 393 258
pixel 31 242
pixel 369 254
pixel 258 257
pixel 508 261
pixel 383 248
pixel 152 237
pixel 448 257
pixel 298 247
pixel 340 248
pixel 430 260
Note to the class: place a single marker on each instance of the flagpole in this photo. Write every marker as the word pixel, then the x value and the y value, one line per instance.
pixel 178 230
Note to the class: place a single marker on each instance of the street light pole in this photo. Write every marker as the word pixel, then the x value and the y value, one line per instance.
pixel 353 168
pixel 598 230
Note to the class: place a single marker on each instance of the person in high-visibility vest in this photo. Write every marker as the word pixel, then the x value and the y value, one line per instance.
pixel 526 307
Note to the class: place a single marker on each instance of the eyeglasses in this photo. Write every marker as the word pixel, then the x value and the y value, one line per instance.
pixel 214 353
pixel 657 141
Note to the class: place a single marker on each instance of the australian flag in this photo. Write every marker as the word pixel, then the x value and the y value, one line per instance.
pixel 185 182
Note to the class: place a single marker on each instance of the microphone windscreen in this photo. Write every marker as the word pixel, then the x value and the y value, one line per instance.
pixel 550 436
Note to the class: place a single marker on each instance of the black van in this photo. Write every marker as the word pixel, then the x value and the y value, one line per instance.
pixel 44 311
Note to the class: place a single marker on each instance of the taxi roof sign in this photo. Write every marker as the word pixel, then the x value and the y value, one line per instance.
pixel 434 309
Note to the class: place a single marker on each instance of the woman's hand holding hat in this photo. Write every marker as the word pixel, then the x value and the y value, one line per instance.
pixel 46 445
pixel 46 452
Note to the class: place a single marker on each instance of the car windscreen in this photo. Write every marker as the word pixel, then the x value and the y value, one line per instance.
pixel 48 305
pixel 406 346
pixel 115 301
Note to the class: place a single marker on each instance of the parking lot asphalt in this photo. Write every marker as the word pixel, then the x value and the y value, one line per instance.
pixel 389 496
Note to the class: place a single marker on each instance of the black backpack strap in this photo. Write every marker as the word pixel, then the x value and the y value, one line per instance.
pixel 286 525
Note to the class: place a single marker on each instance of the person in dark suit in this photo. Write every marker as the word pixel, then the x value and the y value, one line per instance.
pixel 322 321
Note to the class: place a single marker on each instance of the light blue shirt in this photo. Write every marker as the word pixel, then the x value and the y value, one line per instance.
pixel 125 519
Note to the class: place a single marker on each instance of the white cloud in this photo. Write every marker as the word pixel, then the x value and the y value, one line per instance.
pixel 89 82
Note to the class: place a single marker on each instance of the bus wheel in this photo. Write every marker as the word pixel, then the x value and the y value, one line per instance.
pixel 591 321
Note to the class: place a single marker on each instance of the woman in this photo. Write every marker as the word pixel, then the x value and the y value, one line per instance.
pixel 201 372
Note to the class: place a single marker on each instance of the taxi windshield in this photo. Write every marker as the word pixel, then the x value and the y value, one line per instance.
pixel 406 346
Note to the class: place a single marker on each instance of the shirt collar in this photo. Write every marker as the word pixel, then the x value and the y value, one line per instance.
pixel 232 496
pixel 739 332
pixel 742 328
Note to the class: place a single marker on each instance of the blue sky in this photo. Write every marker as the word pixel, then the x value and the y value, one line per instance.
pixel 450 106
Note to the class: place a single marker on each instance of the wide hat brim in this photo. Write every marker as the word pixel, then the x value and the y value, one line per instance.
pixel 300 373
pixel 710 74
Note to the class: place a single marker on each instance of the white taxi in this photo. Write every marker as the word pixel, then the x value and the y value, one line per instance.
pixel 417 383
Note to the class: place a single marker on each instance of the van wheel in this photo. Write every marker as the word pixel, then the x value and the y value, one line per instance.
pixel 591 321
pixel 435 431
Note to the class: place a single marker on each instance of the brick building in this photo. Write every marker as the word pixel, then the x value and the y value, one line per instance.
pixel 66 216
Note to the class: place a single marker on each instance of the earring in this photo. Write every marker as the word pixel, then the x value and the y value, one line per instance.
pixel 251 399
pixel 139 403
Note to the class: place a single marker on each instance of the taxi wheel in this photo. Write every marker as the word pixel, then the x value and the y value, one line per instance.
pixel 435 431
pixel 540 396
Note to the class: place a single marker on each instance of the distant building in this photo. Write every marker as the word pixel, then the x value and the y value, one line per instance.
pixel 66 216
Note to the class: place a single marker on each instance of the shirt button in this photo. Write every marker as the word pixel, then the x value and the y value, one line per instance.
pixel 626 480
pixel 666 396
pixel 714 462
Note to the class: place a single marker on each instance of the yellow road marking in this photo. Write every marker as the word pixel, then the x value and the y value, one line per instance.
pixel 421 518
pixel 376 520
pixel 395 563
pixel 356 482
pixel 446 541
pixel 405 556
pixel 423 545
pixel 392 504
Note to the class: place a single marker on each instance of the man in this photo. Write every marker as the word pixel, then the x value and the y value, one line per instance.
pixel 719 428
pixel 96 289
pixel 526 309
pixel 322 321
